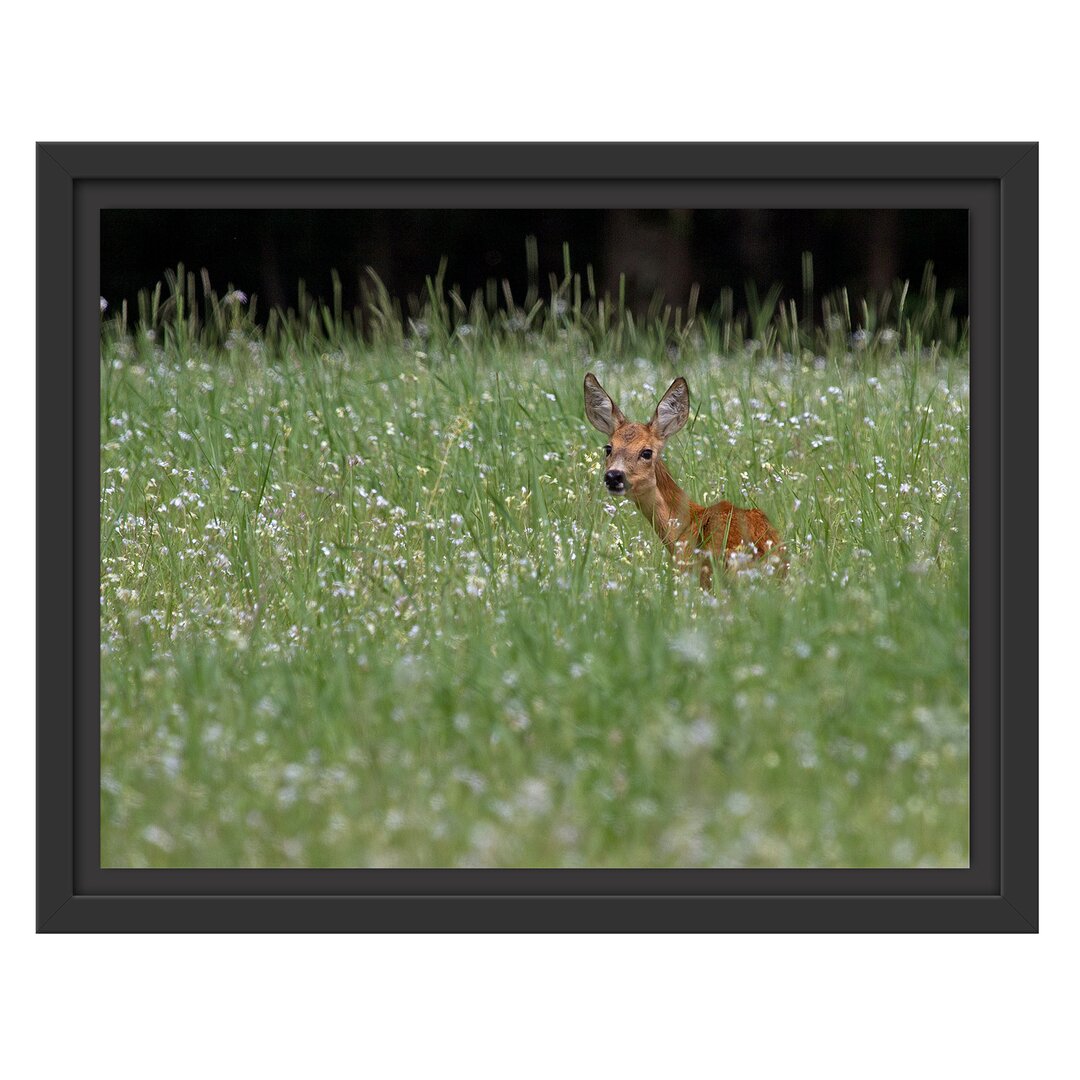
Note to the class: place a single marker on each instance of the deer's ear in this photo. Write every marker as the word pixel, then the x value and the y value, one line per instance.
pixel 603 413
pixel 673 410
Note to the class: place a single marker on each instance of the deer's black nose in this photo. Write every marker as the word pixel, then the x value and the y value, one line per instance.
pixel 615 479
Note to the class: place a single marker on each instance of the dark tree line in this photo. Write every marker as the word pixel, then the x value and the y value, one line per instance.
pixel 665 251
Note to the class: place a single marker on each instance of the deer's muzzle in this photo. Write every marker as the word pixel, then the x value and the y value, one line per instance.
pixel 615 480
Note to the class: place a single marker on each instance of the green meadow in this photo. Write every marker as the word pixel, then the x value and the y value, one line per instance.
pixel 365 601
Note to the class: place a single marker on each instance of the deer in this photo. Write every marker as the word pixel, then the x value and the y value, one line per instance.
pixel 696 536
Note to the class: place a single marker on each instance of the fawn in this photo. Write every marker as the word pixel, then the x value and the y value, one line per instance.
pixel 695 535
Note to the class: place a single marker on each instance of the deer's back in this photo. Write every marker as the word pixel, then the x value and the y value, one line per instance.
pixel 725 527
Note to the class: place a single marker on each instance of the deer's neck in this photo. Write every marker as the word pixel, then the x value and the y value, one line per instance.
pixel 667 507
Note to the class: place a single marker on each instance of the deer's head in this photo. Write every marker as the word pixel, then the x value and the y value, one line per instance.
pixel 633 449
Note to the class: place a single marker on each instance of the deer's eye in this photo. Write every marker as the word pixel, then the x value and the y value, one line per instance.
pixel 607 450
pixel 646 454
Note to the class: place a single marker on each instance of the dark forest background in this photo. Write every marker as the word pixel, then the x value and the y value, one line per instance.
pixel 268 252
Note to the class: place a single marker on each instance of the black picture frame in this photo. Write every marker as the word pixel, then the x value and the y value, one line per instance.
pixel 996 182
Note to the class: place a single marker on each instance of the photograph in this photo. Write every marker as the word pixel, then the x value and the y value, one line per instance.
pixel 533 560
pixel 534 539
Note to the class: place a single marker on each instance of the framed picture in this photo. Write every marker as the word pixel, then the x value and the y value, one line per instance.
pixel 537 537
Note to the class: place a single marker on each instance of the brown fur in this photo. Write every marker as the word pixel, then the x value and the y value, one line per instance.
pixel 695 535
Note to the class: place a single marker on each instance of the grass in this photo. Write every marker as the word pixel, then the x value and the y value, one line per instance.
pixel 365 602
